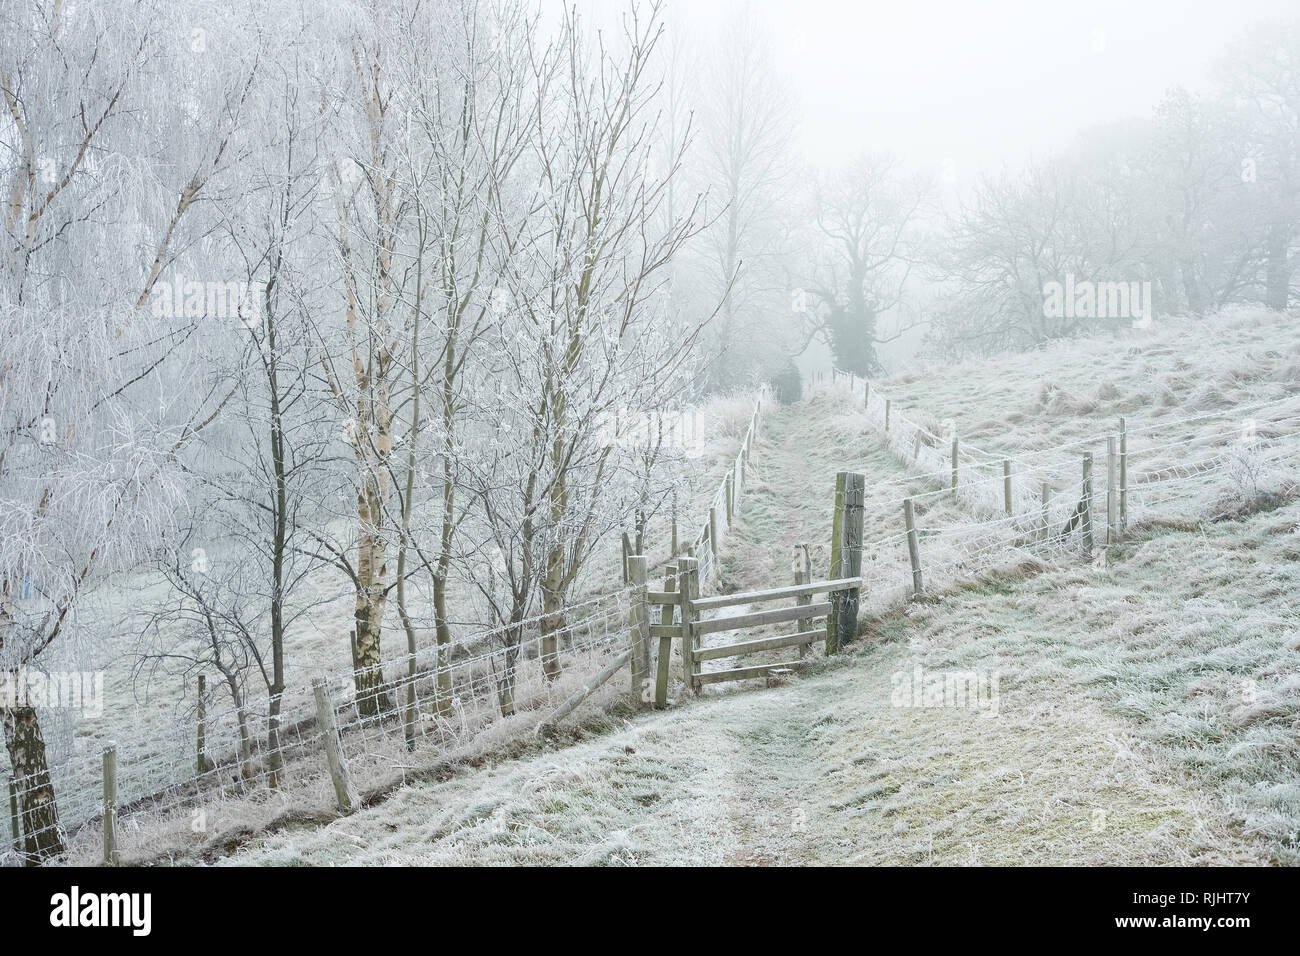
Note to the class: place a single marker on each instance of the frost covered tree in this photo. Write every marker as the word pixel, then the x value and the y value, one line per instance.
pixel 98 394
pixel 580 335
pixel 865 217
pixel 743 159
pixel 370 215
pixel 262 470
pixel 1261 75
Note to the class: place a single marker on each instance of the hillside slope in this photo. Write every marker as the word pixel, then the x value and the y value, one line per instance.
pixel 1146 711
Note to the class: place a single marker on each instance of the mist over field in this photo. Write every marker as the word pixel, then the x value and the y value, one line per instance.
pixel 447 432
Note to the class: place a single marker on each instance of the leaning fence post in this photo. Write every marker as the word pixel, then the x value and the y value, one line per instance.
pixel 1112 498
pixel 345 796
pixel 846 558
pixel 111 853
pixel 687 590
pixel 639 624
pixel 1123 477
pixel 1006 485
pixel 1085 505
pixel 913 546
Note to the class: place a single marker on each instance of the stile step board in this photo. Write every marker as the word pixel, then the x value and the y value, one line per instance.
pixel 666 630
pixel 764 644
pixel 776 594
pixel 759 618
pixel 745 673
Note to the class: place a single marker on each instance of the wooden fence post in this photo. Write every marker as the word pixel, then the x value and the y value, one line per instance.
pixel 1112 496
pixel 1047 494
pixel 665 643
pixel 344 795
pixel 888 404
pixel 913 546
pixel 713 533
pixel 202 742
pixel 639 622
pixel 1123 477
pixel 674 524
pixel 802 575
pixel 111 852
pixel 687 590
pixel 846 558
pixel 1085 504
pixel 916 446
pixel 954 461
pixel 14 826
pixel 1006 485
pixel 731 504
pixel 627 551
pixel 866 402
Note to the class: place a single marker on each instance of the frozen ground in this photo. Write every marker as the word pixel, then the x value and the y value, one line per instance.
pixel 1122 735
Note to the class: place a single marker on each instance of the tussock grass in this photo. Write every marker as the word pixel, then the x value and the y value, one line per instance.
pixel 1073 389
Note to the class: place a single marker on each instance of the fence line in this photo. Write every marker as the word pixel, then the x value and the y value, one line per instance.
pixel 1034 506
pixel 480 689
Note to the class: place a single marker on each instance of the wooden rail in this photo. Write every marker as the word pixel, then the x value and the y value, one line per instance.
pixel 762 644
pixel 744 673
pixel 761 618
pixel 775 594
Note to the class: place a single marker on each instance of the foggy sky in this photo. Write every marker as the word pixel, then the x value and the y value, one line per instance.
pixel 980 84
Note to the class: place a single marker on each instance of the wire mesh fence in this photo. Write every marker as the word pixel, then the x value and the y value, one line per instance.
pixel 443 701
pixel 1050 506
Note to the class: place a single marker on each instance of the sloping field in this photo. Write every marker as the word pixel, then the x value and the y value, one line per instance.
pixel 1126 729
